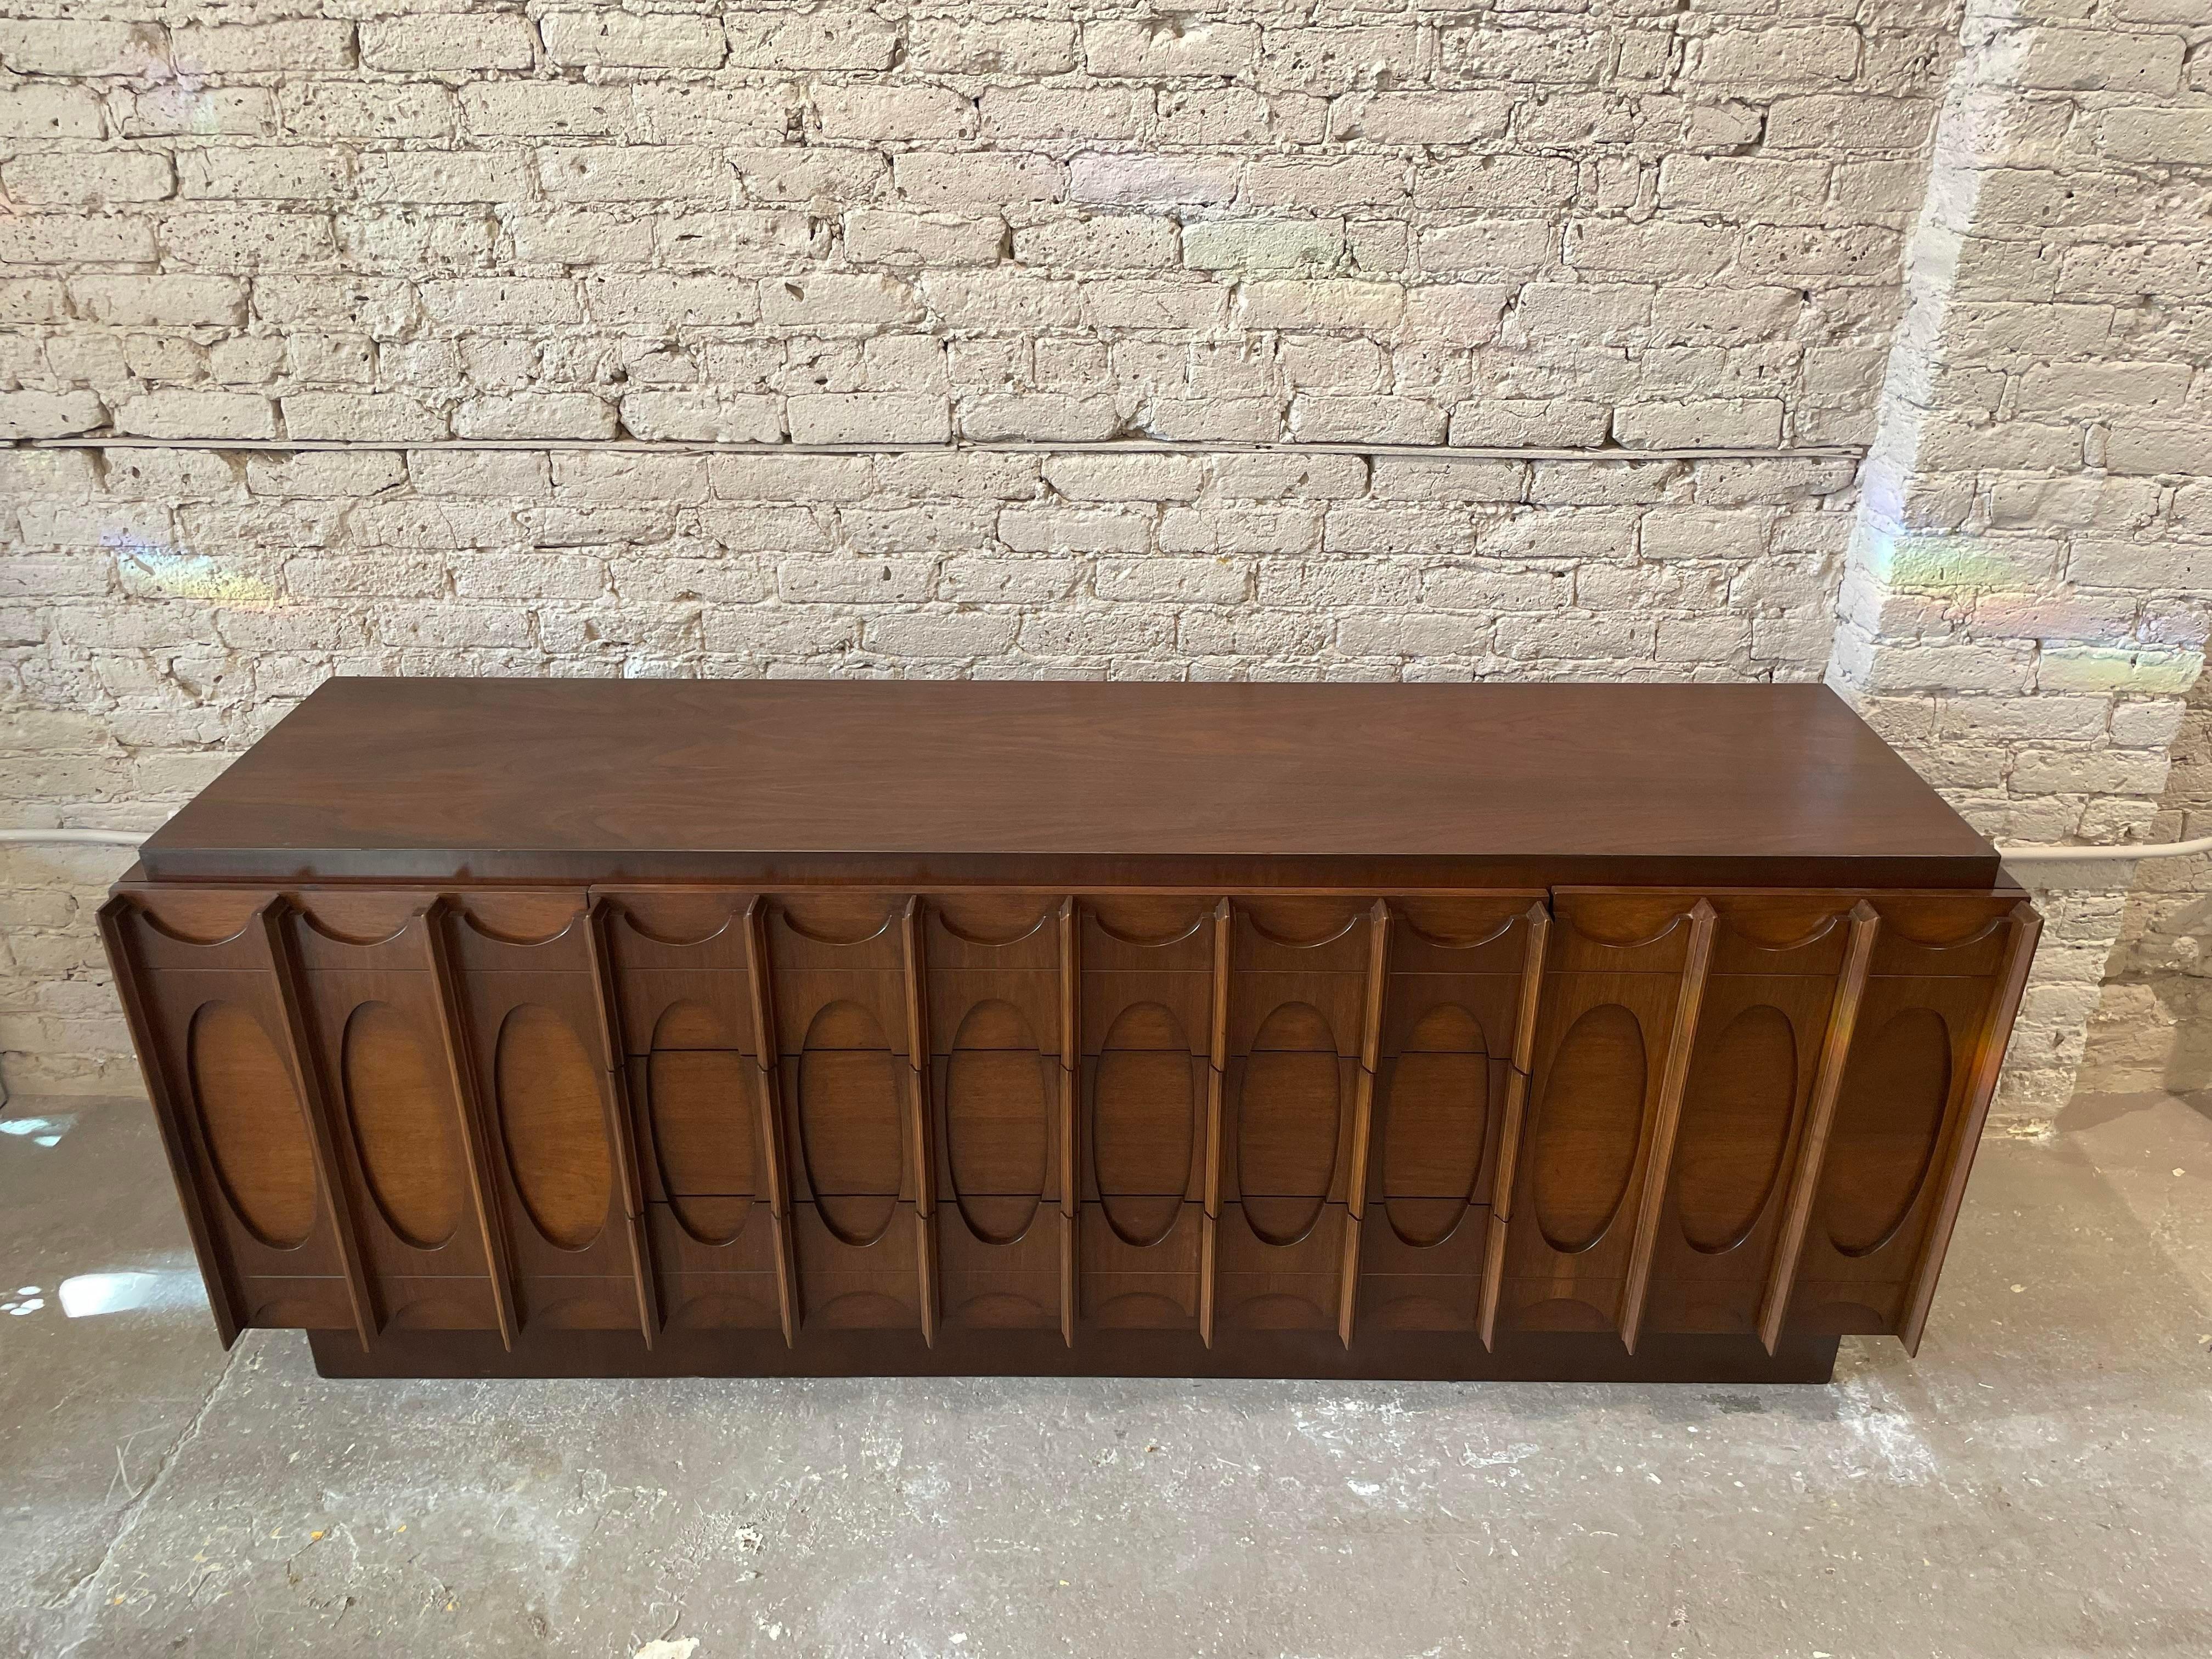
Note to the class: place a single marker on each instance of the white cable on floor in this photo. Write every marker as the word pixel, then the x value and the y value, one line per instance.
pixel 2156 849
pixel 80 837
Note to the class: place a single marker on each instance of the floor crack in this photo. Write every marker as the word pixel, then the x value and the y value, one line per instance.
pixel 134 1507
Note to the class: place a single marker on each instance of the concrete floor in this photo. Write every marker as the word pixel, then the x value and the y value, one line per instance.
pixel 2035 1484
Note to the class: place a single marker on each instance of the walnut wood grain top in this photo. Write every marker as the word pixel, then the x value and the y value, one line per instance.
pixel 1074 785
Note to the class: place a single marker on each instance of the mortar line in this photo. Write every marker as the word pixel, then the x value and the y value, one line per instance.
pixel 959 446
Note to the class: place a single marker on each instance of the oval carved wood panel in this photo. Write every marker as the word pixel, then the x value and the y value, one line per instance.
pixel 1584 1154
pixel 1438 1112
pixel 404 1129
pixel 849 1123
pixel 700 1106
pixel 1144 1123
pixel 554 1125
pixel 1287 1123
pixel 997 1122
pixel 1736 1127
pixel 251 1121
pixel 1886 1128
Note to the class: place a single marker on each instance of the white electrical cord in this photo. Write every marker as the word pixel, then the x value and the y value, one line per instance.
pixel 2155 849
pixel 2164 849
pixel 80 837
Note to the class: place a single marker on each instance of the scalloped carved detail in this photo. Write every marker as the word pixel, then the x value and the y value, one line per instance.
pixel 1736 1127
pixel 1887 1126
pixel 699 1100
pixel 401 1116
pixel 1584 1151
pixel 251 1121
pixel 1438 1111
pixel 1144 1123
pixel 996 1121
pixel 849 1123
pixel 554 1124
pixel 1287 1123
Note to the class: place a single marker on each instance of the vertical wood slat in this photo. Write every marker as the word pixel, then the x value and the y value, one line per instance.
pixel 1820 1116
pixel 620 1125
pixel 1071 1113
pixel 1362 1118
pixel 1209 1220
pixel 168 1117
pixel 915 966
pixel 475 1143
pixel 789 1307
pixel 1989 1059
pixel 1516 1110
pixel 299 1054
pixel 1666 1120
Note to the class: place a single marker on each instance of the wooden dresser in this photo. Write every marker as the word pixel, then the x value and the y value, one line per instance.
pixel 544 1027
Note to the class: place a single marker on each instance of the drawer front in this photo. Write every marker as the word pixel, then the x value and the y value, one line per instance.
pixel 1027 1116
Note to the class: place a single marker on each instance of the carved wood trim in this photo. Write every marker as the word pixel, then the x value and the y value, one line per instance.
pixel 175 1143
pixel 299 1054
pixel 789 1304
pixel 1820 1118
pixel 1995 1036
pixel 1071 1117
pixel 619 1122
pixel 476 1146
pixel 1666 1120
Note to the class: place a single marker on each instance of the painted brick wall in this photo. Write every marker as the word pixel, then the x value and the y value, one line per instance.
pixel 1576 237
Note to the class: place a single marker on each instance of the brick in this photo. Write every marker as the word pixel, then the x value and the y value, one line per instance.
pixel 835 300
pixel 659 301
pixel 536 414
pixel 1244 245
pixel 1320 186
pixel 839 40
pixel 702 417
pixel 202 111
pixel 1336 303
pixel 624 40
pixel 687 111
pixel 179 414
pixel 37 109
pixel 1154 49
pixel 1079 113
pixel 441 176
pixel 1497 181
pixel 636 173
pixel 2169 135
pixel 361 416
pixel 883 236
pixel 481 299
pixel 897 112
pixel 827 177
pixel 1700 423
pixel 545 109
pixel 332 109
pixel 2101 60
pixel 39 46
pixel 1775 58
pixel 979 180
pixel 869 417
pixel 25 414
pixel 171 302
pixel 272 173
pixel 435 40
pixel 39 239
pixel 1119 241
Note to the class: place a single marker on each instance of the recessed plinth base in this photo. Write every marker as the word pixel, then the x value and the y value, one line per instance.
pixel 1546 1357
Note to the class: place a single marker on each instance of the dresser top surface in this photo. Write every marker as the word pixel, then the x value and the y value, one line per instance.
pixel 448 780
